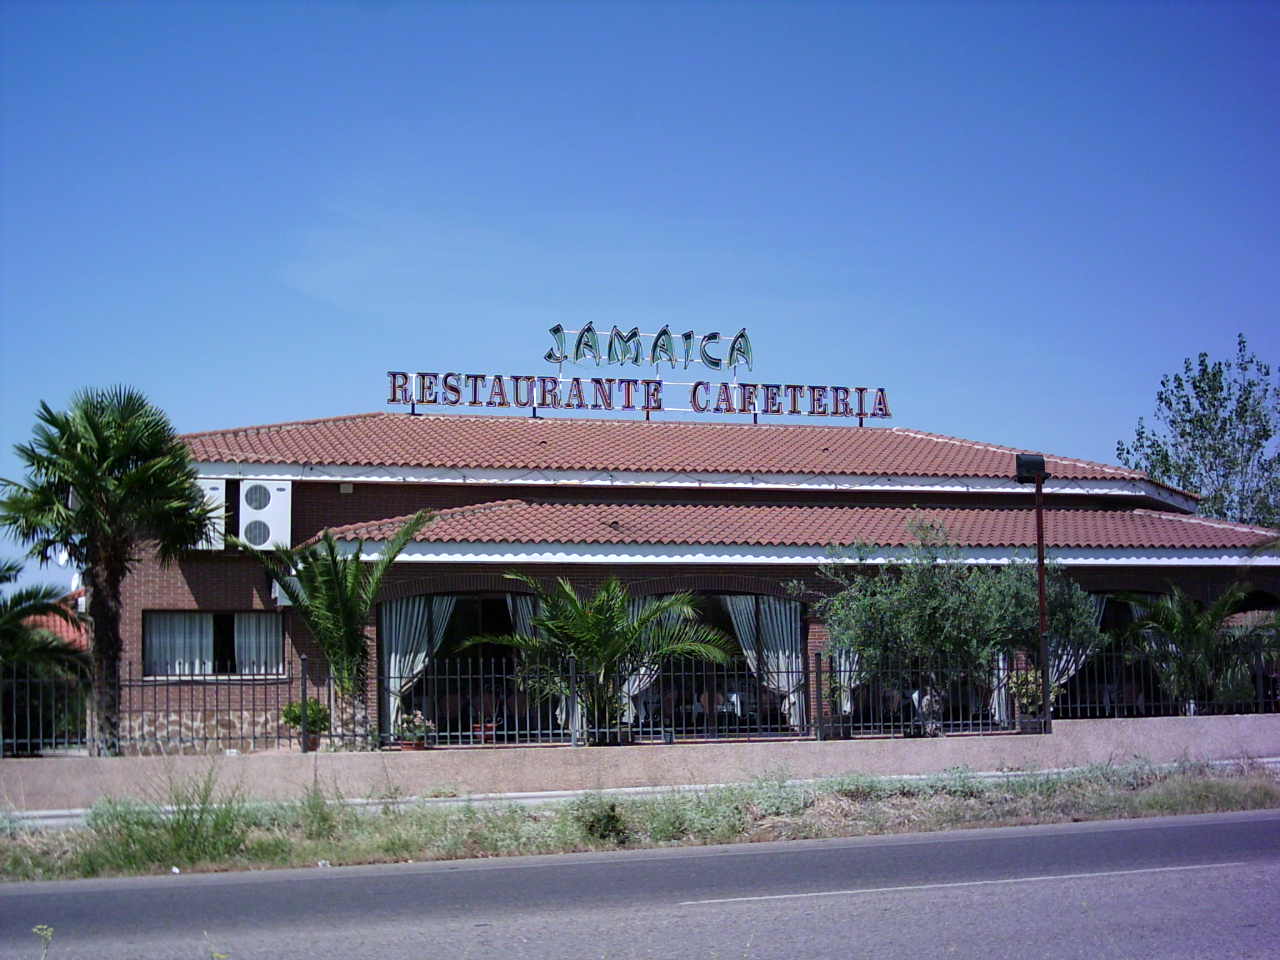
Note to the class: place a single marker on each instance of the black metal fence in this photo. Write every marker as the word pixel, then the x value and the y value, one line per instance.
pixel 482 700
pixel 1120 684
pixel 45 711
pixel 914 697
pixel 492 701
pixel 42 710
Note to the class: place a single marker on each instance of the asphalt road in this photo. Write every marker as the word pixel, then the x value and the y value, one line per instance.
pixel 1178 887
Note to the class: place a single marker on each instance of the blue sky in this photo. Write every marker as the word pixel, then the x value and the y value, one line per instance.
pixel 1015 217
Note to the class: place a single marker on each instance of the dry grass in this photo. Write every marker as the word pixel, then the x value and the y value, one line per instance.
pixel 213 830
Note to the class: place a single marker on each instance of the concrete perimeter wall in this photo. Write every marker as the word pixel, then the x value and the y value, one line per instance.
pixel 75 782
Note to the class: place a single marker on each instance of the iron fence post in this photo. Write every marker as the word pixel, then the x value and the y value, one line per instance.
pixel 573 703
pixel 305 715
pixel 1260 682
pixel 818 699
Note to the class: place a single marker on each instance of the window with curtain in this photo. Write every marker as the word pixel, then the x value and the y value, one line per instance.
pixel 212 644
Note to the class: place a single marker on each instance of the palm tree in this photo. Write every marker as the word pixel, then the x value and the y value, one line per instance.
pixel 34 663
pixel 32 647
pixel 1187 642
pixel 606 640
pixel 108 483
pixel 334 593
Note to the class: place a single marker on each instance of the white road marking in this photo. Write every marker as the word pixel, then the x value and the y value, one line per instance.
pixel 965 883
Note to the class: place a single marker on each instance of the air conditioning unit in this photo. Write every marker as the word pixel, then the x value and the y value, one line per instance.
pixel 215 494
pixel 266 508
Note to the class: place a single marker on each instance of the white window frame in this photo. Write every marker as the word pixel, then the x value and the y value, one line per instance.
pixel 149 618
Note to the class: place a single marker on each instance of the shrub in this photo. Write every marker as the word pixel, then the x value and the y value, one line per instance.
pixel 127 836
pixel 599 819
pixel 318 816
pixel 668 820
pixel 317 716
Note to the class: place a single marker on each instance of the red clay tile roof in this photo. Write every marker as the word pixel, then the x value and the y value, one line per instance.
pixel 76 634
pixel 672 446
pixel 532 521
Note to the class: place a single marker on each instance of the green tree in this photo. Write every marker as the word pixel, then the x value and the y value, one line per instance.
pixel 1010 598
pixel 910 622
pixel 608 639
pixel 906 617
pixel 20 642
pixel 108 482
pixel 52 672
pixel 1217 433
pixel 334 593
pixel 1190 647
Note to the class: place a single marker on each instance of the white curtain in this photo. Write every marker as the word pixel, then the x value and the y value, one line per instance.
pixel 634 686
pixel 1069 658
pixel 1000 690
pixel 412 630
pixel 520 608
pixel 259 643
pixel 777 659
pixel 178 644
pixel 844 671
pixel 1099 608
pixel 569 712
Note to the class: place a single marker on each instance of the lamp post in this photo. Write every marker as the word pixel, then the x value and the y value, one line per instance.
pixel 1029 468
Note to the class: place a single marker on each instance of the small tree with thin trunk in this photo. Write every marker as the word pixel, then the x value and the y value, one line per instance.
pixel 333 591
pixel 108 483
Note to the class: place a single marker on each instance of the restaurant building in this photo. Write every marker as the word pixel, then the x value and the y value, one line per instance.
pixel 732 512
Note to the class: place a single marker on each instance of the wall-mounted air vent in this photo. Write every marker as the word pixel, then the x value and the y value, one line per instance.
pixel 215 494
pixel 265 510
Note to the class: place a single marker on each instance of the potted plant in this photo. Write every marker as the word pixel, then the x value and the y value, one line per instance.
pixel 310 722
pixel 1025 686
pixel 415 732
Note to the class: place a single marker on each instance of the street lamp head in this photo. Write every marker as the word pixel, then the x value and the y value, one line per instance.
pixel 1030 468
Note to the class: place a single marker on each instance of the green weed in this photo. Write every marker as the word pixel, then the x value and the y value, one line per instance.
pixel 45 933
pixel 599 819
pixel 211 830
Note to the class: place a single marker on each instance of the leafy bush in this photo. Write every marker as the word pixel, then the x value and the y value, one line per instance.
pixel 317 716
pixel 599 819
pixel 668 820
pixel 906 620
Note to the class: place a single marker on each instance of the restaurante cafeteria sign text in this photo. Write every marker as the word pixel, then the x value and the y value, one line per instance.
pixel 450 389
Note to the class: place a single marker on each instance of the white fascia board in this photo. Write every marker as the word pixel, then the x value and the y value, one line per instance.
pixel 595 553
pixel 845 483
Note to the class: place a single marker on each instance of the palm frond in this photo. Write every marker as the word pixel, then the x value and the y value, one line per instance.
pixel 40 650
pixel 334 592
